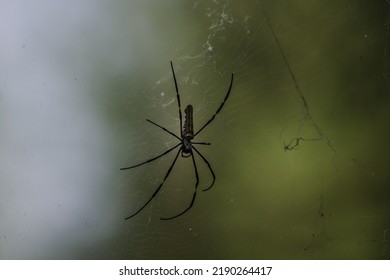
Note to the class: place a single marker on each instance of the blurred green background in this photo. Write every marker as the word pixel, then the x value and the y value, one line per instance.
pixel 300 149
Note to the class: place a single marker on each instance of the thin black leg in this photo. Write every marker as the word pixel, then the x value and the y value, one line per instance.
pixel 193 197
pixel 178 97
pixel 159 187
pixel 219 109
pixel 163 128
pixel 152 159
pixel 201 143
pixel 209 165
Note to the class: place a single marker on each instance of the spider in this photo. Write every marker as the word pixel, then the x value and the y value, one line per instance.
pixel 186 147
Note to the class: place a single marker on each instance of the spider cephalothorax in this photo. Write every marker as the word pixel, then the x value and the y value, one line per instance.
pixel 186 146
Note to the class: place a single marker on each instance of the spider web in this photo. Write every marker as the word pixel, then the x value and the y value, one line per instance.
pixel 299 149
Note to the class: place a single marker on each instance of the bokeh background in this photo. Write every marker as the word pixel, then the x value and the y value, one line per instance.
pixel 300 150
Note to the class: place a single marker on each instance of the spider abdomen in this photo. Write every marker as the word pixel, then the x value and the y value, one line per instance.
pixel 188 128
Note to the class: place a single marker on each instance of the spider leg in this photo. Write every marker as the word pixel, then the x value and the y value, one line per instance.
pixel 177 94
pixel 159 187
pixel 193 197
pixel 163 128
pixel 200 143
pixel 152 159
pixel 208 164
pixel 220 107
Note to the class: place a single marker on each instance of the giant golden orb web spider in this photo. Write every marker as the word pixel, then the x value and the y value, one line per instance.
pixel 186 147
